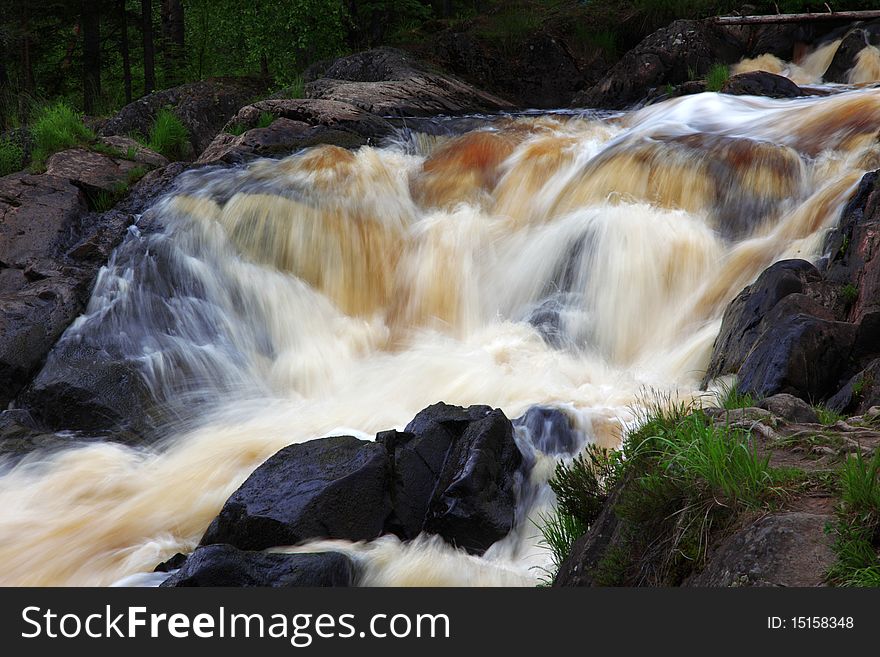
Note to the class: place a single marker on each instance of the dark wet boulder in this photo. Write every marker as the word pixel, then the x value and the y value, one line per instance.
pixel 797 353
pixel 389 82
pixel 845 57
pixel 225 565
pixel 742 324
pixel 761 83
pixel 455 473
pixel 780 549
pixel 203 107
pixel 790 408
pixel 327 488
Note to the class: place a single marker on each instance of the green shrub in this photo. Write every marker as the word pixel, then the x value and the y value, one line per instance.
pixel 716 77
pixel 850 294
pixel 11 157
pixel 55 128
pixel 168 136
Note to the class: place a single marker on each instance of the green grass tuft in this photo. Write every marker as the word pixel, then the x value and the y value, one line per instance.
pixel 716 77
pixel 826 416
pixel 55 128
pixel 850 294
pixel 168 136
pixel 858 524
pixel 729 397
pixel 266 119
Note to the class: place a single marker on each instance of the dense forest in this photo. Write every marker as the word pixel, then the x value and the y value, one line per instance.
pixel 97 55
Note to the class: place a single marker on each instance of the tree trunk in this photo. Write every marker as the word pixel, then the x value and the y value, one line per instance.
pixel 91 30
pixel 123 47
pixel 27 69
pixel 173 44
pixel 149 50
pixel 797 18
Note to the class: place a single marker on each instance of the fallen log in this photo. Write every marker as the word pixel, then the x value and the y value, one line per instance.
pixel 867 14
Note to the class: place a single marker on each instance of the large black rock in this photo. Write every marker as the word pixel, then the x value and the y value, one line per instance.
pixel 328 488
pixel 761 83
pixel 225 565
pixel 455 474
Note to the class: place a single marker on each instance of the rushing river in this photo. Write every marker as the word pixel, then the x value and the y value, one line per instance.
pixel 567 260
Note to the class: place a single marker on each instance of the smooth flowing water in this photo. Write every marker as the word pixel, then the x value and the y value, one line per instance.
pixel 563 260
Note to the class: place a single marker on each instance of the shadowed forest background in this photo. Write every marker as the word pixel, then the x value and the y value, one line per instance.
pixel 98 55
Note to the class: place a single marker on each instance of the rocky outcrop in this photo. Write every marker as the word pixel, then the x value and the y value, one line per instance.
pixel 79 386
pixel 761 83
pixel 297 124
pixel 453 472
pixel 779 549
pixel 812 332
pixel 790 408
pixel 203 107
pixel 224 565
pixel 389 82
pixel 41 289
pixel 686 49
pixel 96 172
pixel 670 55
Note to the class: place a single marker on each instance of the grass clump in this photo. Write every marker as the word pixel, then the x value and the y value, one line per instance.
pixel 679 481
pixel 55 128
pixel 11 157
pixel 826 416
pixel 850 294
pixel 168 136
pixel 858 524
pixel 729 397
pixel 716 77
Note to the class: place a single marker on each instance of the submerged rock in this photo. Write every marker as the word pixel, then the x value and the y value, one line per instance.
pixel 761 83
pixel 224 565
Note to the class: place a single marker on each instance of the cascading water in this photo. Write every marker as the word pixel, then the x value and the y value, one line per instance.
pixel 559 260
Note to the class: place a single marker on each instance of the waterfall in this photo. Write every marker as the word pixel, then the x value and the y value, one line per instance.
pixel 567 260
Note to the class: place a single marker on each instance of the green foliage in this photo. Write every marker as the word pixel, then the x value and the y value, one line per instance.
pixel 858 524
pixel 582 488
pixel 729 397
pixel 850 294
pixel 11 157
pixel 265 120
pixel 827 416
pixel 716 77
pixel 168 136
pixel 679 477
pixel 279 37
pixel 55 128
